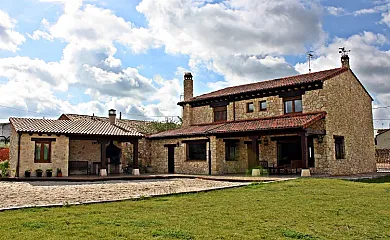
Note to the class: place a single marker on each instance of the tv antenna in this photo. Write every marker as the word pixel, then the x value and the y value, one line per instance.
pixel 310 55
pixel 343 51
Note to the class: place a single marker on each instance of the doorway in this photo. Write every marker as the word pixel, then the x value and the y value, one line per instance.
pixel 171 159
pixel 289 149
pixel 252 156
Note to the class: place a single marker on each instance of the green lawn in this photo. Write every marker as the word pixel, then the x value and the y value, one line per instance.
pixel 299 209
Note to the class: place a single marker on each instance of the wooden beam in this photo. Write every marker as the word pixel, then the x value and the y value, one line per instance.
pixel 304 148
pixel 135 155
pixel 103 159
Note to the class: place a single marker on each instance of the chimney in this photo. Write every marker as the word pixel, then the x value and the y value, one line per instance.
pixel 345 61
pixel 188 86
pixel 112 116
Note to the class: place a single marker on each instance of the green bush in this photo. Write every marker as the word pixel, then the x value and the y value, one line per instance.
pixel 4 167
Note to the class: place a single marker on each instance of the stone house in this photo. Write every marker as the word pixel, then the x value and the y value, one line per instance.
pixel 382 139
pixel 320 121
pixel 73 142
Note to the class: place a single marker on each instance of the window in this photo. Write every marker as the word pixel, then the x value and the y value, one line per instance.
pixel 263 105
pixel 231 151
pixel 42 152
pixel 196 150
pixel 293 105
pixel 339 147
pixel 220 114
pixel 250 107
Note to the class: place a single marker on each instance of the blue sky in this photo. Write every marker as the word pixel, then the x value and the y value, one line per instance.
pixel 88 56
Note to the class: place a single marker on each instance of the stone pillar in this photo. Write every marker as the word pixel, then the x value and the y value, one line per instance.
pixel 255 147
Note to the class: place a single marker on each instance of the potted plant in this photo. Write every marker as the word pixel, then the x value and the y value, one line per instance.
pixel 39 172
pixel 49 172
pixel 59 172
pixel 27 173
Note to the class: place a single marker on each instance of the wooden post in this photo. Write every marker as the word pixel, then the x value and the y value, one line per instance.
pixel 103 160
pixel 135 154
pixel 255 147
pixel 304 147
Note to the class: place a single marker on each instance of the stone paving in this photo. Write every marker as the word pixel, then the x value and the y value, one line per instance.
pixel 30 194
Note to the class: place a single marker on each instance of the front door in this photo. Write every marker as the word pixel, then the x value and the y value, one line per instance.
pixel 252 159
pixel 171 159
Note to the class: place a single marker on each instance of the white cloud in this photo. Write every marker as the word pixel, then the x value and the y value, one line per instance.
pixel 335 11
pixel 9 38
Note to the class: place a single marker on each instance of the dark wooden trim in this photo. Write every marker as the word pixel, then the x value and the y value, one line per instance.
pixel 315 132
pixel 170 145
pixel 103 138
pixel 219 104
pixel 135 155
pixel 260 133
pixel 219 110
pixel 43 139
pixel 304 147
pixel 231 140
pixel 285 138
pixel 295 93
pixel 195 141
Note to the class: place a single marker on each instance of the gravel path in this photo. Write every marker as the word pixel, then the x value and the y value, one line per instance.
pixel 29 194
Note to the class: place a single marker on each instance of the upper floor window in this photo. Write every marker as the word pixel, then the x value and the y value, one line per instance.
pixel 42 152
pixel 220 114
pixel 263 105
pixel 250 107
pixel 339 147
pixel 293 105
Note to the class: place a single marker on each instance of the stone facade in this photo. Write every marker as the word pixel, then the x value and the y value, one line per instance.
pixel 349 114
pixel 59 154
pixel 383 140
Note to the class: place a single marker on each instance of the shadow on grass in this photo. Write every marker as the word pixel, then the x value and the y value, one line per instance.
pixel 385 179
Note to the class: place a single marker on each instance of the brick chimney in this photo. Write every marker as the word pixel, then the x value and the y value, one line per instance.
pixel 188 86
pixel 112 116
pixel 345 61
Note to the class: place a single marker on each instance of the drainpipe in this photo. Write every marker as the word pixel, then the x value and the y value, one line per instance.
pixel 18 162
pixel 209 155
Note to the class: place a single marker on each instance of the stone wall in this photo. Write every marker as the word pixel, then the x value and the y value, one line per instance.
pixel 202 115
pixel 274 108
pixel 84 150
pixel 59 154
pixel 13 151
pixel 349 114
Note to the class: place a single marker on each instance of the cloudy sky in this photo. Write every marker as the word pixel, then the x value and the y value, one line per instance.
pixel 75 56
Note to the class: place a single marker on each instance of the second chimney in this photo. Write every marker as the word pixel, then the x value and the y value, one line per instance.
pixel 112 116
pixel 188 86
pixel 345 61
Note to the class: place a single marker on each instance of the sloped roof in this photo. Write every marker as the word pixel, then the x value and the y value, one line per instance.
pixel 270 84
pixel 79 127
pixel 260 124
pixel 136 125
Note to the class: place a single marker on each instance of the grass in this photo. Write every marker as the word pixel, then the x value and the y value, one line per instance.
pixel 299 209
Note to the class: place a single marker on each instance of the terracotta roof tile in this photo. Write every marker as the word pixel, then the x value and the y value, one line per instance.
pixel 80 127
pixel 270 123
pixel 271 84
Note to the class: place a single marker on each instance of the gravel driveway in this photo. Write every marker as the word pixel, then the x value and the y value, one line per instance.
pixel 28 194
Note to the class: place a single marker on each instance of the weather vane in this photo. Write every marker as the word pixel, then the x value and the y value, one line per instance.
pixel 343 51
pixel 310 55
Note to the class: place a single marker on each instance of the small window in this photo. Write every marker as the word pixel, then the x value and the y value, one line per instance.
pixel 196 150
pixel 339 147
pixel 42 152
pixel 293 105
pixel 250 107
pixel 231 151
pixel 220 114
pixel 263 106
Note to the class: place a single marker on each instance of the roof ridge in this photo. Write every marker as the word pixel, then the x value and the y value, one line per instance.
pixel 270 80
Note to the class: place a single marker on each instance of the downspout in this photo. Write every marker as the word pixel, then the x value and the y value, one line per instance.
pixel 18 162
pixel 209 155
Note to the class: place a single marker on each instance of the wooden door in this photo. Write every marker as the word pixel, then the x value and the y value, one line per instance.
pixel 171 159
pixel 252 160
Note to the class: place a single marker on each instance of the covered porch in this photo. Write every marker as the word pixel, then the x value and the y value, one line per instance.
pixel 103 155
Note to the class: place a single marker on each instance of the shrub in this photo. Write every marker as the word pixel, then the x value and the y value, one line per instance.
pixel 4 167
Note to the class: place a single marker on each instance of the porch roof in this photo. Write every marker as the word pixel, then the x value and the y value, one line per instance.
pixel 297 121
pixel 80 127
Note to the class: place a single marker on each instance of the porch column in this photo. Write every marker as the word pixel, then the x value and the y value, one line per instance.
pixel 255 147
pixel 103 161
pixel 135 154
pixel 304 147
